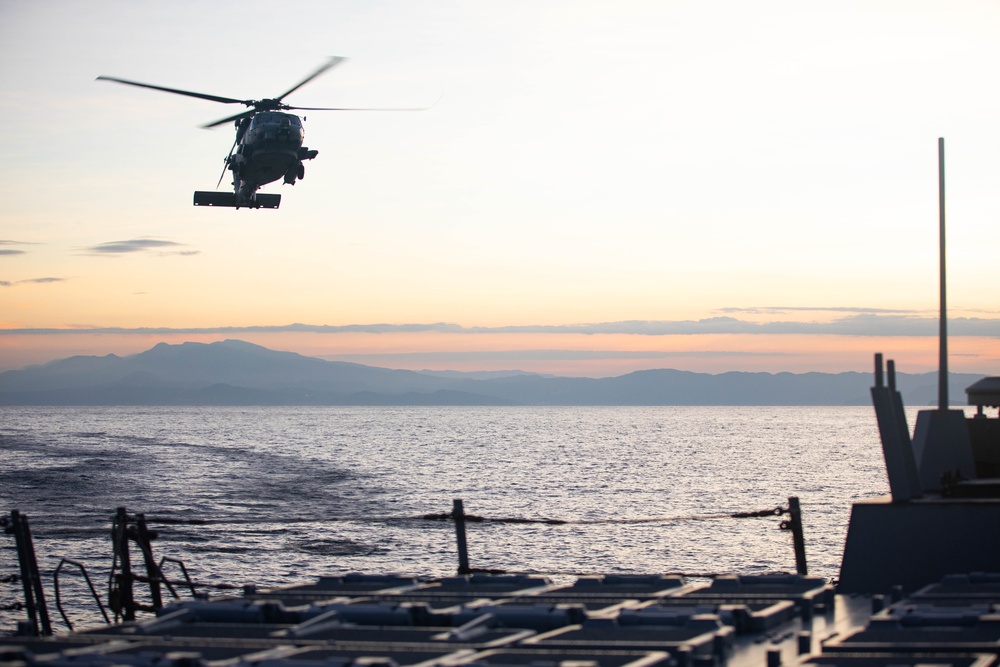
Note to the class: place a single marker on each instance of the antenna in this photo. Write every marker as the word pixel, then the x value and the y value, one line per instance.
pixel 941 438
pixel 943 324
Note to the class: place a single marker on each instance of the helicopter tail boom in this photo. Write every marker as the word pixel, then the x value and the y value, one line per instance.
pixel 228 199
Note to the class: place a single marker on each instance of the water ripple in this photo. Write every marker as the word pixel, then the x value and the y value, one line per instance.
pixel 281 495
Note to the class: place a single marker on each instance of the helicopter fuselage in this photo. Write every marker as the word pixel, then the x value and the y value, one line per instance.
pixel 269 147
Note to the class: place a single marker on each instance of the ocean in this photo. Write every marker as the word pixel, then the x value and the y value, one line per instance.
pixel 282 495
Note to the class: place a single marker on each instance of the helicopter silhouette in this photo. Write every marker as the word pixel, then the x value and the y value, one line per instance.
pixel 268 143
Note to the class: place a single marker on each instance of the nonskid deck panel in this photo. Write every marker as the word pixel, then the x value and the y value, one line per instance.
pixel 612 621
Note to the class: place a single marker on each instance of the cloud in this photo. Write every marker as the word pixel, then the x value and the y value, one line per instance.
pixel 865 324
pixel 9 252
pixel 542 355
pixel 39 281
pixel 902 325
pixel 635 327
pixel 772 310
pixel 43 280
pixel 139 245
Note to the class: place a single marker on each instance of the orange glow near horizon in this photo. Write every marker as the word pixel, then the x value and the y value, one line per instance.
pixel 599 355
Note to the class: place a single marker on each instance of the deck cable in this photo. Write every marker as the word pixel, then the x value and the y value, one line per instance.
pixel 471 518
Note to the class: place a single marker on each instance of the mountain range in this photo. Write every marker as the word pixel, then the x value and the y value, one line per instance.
pixel 234 372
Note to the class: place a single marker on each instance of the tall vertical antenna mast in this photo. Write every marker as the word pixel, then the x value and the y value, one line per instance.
pixel 943 324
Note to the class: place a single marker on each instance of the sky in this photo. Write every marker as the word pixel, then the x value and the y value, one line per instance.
pixel 596 188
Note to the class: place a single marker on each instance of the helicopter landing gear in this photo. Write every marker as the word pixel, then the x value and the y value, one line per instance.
pixel 235 165
pixel 228 199
pixel 297 171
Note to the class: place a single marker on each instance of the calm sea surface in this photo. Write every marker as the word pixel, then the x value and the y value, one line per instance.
pixel 293 493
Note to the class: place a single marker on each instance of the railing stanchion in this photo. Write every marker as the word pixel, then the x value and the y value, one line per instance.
pixel 34 595
pixel 798 538
pixel 458 513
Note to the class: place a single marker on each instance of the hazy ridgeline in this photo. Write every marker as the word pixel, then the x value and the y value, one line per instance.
pixel 234 372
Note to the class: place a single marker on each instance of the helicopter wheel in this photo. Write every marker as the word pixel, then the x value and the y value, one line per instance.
pixel 298 172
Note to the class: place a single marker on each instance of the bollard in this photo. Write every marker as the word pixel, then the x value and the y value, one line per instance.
pixel 774 657
pixel 805 643
pixel 458 513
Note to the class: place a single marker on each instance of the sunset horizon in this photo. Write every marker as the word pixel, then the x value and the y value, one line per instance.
pixel 441 347
pixel 587 191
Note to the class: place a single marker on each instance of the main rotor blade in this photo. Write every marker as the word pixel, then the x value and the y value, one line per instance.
pixel 223 121
pixel 332 62
pixel 213 98
pixel 370 108
pixel 358 108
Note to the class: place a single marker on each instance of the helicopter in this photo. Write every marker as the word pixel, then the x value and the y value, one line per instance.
pixel 268 143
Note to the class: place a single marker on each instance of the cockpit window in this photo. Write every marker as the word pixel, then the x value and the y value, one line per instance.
pixel 277 118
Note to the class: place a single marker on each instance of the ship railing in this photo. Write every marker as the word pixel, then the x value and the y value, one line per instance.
pixel 86 577
pixel 133 528
pixel 792 524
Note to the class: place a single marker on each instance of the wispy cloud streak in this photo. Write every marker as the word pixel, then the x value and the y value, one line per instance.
pixel 773 310
pixel 865 324
pixel 37 281
pixel 141 245
pixel 12 252
pixel 547 355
